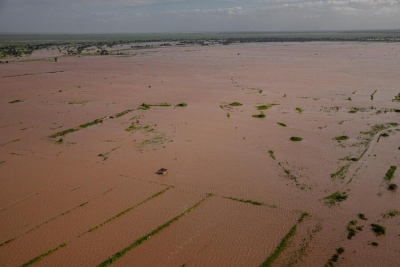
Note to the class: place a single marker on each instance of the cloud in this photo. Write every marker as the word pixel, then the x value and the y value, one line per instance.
pixel 86 16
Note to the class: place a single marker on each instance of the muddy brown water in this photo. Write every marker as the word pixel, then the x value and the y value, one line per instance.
pixel 52 193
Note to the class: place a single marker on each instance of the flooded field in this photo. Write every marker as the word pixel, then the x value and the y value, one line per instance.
pixel 277 154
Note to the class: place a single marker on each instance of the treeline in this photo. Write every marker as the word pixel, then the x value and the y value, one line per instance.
pixel 307 39
pixel 17 50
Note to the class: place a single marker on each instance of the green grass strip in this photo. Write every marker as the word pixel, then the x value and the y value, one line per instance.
pixel 128 209
pixel 284 242
pixel 254 202
pixel 144 238
pixel 120 114
pixel 15 101
pixel 85 125
pixel 266 106
pixel 160 105
pixel 32 261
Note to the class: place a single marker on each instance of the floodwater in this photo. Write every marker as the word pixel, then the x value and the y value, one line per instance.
pixel 222 162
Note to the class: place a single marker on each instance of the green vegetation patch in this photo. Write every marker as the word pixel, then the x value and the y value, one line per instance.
pixel 266 106
pixel 283 244
pixel 235 104
pixel 85 125
pixel 391 214
pixel 372 95
pixel 146 237
pixel 15 101
pixel 2 162
pixel 183 104
pixel 120 114
pixel 34 260
pixel 271 154
pixel 335 257
pixel 352 229
pixel 144 107
pixel 299 109
pixel 157 140
pixel 282 124
pixel 380 127
pixel 341 138
pixel 357 109
pixel 349 158
pixel 341 173
pixel 147 106
pixel 296 139
pixel 228 115
pixel 382 135
pixel 378 229
pixel 261 115
pixel 396 98
pixel 144 128
pixel 88 124
pixel 164 104
pixel 336 197
pixel 362 216
pixel 390 173
pixel 65 132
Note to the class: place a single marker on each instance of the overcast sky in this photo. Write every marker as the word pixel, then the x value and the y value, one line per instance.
pixel 139 16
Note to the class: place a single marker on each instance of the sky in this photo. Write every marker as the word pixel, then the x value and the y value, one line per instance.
pixel 157 16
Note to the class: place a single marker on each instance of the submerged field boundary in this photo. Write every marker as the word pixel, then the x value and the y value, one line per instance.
pixel 127 210
pixel 373 133
pixel 29 74
pixel 250 201
pixel 88 124
pixel 144 238
pixel 55 217
pixel 284 242
pixel 41 256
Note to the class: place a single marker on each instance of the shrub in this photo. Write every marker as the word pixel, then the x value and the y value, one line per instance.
pixel 392 187
pixel 336 197
pixel 235 104
pixel 342 137
pixel 261 115
pixel 378 229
